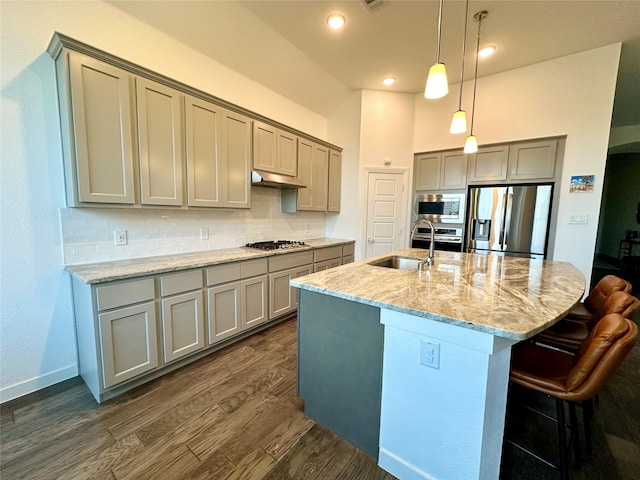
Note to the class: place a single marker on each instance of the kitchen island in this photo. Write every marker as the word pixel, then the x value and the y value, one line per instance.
pixel 412 367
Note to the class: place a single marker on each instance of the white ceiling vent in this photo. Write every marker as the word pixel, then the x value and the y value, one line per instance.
pixel 373 4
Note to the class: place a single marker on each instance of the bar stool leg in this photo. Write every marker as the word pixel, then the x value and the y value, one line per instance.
pixel 562 440
pixel 587 415
pixel 575 435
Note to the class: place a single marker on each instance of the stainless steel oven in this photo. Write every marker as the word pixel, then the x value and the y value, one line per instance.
pixel 439 207
pixel 444 238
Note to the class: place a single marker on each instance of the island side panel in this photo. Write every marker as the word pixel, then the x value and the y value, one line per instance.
pixel 340 345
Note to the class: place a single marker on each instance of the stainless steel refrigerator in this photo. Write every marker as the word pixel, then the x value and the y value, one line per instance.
pixel 509 220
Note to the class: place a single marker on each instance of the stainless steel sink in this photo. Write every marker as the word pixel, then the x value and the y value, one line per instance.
pixel 399 263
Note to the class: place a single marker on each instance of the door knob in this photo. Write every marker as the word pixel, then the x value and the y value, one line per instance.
pixel 369 240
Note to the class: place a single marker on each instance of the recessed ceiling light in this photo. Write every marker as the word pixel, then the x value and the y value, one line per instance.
pixel 336 21
pixel 389 80
pixel 487 50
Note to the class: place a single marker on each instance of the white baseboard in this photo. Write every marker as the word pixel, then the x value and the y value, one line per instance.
pixel 33 384
pixel 400 468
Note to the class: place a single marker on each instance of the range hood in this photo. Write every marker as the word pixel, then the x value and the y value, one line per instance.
pixel 260 178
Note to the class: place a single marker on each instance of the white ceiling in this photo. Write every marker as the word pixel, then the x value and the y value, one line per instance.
pixel 286 46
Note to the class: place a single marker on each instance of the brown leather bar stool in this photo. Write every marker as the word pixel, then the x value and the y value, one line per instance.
pixel 573 378
pixel 569 334
pixel 597 296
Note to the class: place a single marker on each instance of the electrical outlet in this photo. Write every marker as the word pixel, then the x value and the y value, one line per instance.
pixel 120 237
pixel 204 233
pixel 430 354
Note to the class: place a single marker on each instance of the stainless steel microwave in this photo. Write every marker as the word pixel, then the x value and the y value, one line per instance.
pixel 439 207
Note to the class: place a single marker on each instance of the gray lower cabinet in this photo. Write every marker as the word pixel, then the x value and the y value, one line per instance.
pixel 328 257
pixel 237 298
pixel 282 268
pixel 182 314
pixel 131 331
pixel 128 342
pixel 127 331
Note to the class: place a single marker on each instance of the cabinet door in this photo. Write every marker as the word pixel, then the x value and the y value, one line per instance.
pixel 287 153
pixel 254 299
pixel 102 130
pixel 453 174
pixel 129 342
pixel 265 146
pixel 202 127
pixel 488 164
pixel 532 160
pixel 224 311
pixel 305 163
pixel 320 178
pixel 335 173
pixel 159 118
pixel 236 152
pixel 182 325
pixel 427 171
pixel 284 298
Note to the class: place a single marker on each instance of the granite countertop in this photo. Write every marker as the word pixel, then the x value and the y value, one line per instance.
pixel 138 267
pixel 509 297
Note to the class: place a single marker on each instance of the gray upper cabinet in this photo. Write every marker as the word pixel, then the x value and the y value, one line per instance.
pixel 218 152
pixel 532 160
pixel 427 171
pixel 274 150
pixel 489 164
pixel 202 131
pixel 95 109
pixel 159 117
pixel 453 171
pixel 441 171
pixel 236 155
pixel 335 175
pixel 133 137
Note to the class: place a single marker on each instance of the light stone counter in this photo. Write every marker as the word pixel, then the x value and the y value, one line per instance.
pixel 508 297
pixel 121 269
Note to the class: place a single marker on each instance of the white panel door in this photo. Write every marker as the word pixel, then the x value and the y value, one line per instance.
pixel 385 197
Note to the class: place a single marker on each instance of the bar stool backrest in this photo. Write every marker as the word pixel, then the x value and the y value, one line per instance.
pixel 603 289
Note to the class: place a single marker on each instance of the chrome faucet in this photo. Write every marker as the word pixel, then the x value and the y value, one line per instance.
pixel 429 261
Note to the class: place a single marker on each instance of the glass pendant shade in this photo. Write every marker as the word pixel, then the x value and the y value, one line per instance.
pixel 437 85
pixel 458 122
pixel 471 144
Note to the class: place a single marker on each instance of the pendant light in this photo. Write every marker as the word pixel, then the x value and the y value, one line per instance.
pixel 459 120
pixel 437 85
pixel 471 144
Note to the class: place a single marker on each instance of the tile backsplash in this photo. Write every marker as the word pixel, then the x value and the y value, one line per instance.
pixel 88 233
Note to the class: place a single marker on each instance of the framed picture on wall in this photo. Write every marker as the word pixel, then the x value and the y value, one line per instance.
pixel 581 183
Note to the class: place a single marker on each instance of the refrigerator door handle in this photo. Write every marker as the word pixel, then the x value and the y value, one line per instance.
pixel 507 223
pixel 503 220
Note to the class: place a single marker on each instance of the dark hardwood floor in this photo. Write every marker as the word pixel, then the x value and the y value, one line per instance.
pixel 234 415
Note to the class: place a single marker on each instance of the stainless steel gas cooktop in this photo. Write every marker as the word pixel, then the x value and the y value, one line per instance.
pixel 276 244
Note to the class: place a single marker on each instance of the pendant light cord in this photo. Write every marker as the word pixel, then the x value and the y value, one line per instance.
pixel 439 31
pixel 480 16
pixel 464 51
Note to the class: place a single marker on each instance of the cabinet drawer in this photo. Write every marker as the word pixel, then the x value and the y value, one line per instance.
pixel 253 268
pixel 290 260
pixel 227 272
pixel 348 249
pixel 347 259
pixel 125 293
pixel 180 282
pixel 327 253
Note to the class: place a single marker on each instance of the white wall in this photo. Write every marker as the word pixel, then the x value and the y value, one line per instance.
pixel 37 340
pixel 566 96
